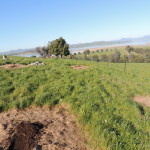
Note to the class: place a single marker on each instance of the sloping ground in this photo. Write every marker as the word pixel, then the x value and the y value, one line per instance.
pixel 40 128
pixel 145 100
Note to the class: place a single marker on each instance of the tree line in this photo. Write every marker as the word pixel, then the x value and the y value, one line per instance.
pixel 133 55
pixel 60 48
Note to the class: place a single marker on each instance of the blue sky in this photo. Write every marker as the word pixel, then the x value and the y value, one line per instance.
pixel 31 23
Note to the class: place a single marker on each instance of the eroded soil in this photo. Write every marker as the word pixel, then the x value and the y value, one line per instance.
pixel 79 67
pixel 40 129
pixel 145 100
pixel 13 66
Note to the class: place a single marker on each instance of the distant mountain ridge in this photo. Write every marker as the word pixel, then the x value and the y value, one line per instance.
pixel 138 39
pixel 15 52
pixel 83 45
pixel 98 43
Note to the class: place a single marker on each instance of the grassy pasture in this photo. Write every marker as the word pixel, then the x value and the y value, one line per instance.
pixel 101 97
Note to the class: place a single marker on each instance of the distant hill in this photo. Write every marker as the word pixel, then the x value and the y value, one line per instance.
pixel 18 51
pixel 98 43
pixel 84 45
pixel 113 42
pixel 138 39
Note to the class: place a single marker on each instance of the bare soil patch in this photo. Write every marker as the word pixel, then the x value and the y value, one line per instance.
pixel 79 67
pixel 40 128
pixel 26 136
pixel 13 66
pixel 145 100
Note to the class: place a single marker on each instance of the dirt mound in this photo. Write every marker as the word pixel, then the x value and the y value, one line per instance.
pixel 26 136
pixel 42 129
pixel 79 67
pixel 145 100
pixel 13 66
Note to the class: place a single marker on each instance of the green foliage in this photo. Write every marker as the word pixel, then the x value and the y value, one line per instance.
pixel 147 57
pixel 101 96
pixel 103 58
pixel 94 58
pixel 129 48
pixel 86 52
pixel 117 55
pixel 43 51
pixel 59 47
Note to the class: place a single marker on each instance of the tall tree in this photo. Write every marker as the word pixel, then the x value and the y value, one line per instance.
pixel 117 56
pixel 94 58
pixel 43 51
pixel 129 48
pixel 59 47
pixel 111 58
pixel 86 52
pixel 147 57
pixel 103 58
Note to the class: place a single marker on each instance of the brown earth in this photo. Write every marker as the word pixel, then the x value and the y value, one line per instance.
pixel 40 129
pixel 79 67
pixel 145 100
pixel 26 136
pixel 13 66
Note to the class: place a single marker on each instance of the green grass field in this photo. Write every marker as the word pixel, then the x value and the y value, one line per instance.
pixel 101 97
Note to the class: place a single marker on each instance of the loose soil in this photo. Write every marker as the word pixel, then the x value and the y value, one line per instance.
pixel 40 129
pixel 26 136
pixel 145 100
pixel 79 67
pixel 13 66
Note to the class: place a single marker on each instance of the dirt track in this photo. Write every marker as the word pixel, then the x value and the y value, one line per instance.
pixel 40 129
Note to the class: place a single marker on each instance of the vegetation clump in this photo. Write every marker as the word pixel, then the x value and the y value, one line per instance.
pixel 58 47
